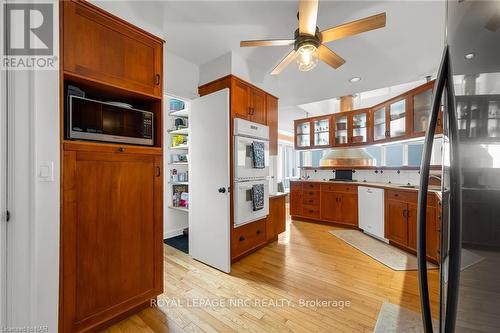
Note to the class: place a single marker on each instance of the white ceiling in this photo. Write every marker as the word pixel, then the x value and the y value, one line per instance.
pixel 408 49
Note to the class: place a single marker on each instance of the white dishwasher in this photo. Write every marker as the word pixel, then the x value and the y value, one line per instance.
pixel 371 211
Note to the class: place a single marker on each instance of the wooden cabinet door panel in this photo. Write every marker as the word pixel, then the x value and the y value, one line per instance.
pixel 109 51
pixel 330 206
pixel 349 208
pixel 112 235
pixel 430 230
pixel 397 227
pixel 276 219
pixel 240 99
pixel 258 106
pixel 295 202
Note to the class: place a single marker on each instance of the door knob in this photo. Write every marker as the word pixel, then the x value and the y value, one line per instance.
pixel 222 190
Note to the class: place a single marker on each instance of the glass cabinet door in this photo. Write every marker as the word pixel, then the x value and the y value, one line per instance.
pixel 422 104
pixel 303 134
pixel 493 126
pixel 322 132
pixel 379 124
pixel 397 113
pixel 359 128
pixel 341 130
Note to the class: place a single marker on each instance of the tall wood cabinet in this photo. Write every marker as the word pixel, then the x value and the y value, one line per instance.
pixel 111 259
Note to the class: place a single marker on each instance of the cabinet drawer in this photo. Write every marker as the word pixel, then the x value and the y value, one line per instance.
pixel 248 236
pixel 311 201
pixel 310 186
pixel 402 195
pixel 340 188
pixel 310 194
pixel 310 211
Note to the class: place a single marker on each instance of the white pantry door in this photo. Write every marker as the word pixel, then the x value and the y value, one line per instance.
pixel 3 198
pixel 209 199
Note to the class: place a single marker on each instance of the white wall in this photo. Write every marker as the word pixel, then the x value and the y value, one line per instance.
pixel 33 231
pixel 180 76
pixel 216 68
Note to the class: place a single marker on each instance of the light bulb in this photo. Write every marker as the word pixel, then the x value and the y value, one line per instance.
pixel 307 57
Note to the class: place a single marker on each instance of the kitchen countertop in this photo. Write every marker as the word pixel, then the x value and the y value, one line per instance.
pixel 400 187
pixel 277 195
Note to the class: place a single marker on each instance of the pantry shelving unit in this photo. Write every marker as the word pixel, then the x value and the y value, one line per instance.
pixel 176 160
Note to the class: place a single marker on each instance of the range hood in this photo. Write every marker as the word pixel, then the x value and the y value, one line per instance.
pixel 346 157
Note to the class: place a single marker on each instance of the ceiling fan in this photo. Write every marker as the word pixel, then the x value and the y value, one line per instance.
pixel 309 41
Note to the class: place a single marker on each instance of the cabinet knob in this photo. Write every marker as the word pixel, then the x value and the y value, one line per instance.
pixel 121 149
pixel 157 79
pixel 242 238
pixel 222 190
pixel 258 231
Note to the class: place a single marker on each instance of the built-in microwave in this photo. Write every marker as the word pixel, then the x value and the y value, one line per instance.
pixel 88 119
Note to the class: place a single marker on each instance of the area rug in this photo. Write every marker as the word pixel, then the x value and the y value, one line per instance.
pixel 391 256
pixel 180 243
pixel 393 318
pixel 386 254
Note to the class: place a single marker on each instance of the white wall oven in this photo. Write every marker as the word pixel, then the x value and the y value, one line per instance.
pixel 251 171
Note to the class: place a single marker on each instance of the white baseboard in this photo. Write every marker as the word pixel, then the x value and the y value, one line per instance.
pixel 173 233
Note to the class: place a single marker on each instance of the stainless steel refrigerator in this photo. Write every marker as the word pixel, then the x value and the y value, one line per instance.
pixel 467 91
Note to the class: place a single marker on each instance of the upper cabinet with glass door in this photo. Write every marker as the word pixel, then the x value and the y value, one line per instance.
pixel 342 128
pixel 302 134
pixel 360 127
pixel 321 131
pixel 397 118
pixel 421 104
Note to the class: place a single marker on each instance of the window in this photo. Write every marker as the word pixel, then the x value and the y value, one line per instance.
pixel 394 155
pixel 415 154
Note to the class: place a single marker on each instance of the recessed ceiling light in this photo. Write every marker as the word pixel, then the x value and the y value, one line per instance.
pixel 469 56
pixel 355 79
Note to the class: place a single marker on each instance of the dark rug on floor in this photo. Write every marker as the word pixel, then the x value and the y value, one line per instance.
pixel 178 242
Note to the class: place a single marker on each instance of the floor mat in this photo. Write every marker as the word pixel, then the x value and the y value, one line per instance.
pixel 393 318
pixel 386 254
pixel 178 242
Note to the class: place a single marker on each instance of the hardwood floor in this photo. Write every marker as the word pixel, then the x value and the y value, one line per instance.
pixel 306 263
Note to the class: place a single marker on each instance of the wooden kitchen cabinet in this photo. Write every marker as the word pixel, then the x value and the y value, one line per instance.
pixel 401 222
pixel 334 203
pixel 258 106
pixel 397 222
pixel 276 221
pixel 399 118
pixel 107 50
pixel 313 132
pixel 112 250
pixel 247 101
pixel 330 206
pixel 295 199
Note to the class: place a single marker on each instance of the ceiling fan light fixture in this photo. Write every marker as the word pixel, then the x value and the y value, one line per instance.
pixel 307 57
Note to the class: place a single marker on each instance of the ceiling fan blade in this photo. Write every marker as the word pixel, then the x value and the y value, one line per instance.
pixel 330 57
pixel 281 66
pixel 308 14
pixel 353 28
pixel 267 42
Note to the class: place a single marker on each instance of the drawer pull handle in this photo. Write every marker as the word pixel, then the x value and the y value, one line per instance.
pixel 242 238
pixel 396 195
pixel 121 149
pixel 258 232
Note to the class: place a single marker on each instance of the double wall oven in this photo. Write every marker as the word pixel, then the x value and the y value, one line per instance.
pixel 251 172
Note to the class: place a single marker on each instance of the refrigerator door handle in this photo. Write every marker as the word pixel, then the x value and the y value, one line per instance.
pixel 455 217
pixel 422 193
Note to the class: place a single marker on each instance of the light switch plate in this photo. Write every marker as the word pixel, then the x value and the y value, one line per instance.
pixel 46 171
